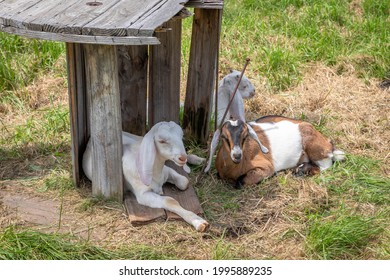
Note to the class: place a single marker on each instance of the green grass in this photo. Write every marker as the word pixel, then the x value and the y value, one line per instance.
pixel 342 236
pixel 280 37
pixel 33 245
pixel 358 177
pixel 21 60
pixel 48 130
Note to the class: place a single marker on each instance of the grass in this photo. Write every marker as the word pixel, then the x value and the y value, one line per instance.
pixel 282 36
pixel 342 237
pixel 21 60
pixel 360 178
pixel 310 59
pixel 34 245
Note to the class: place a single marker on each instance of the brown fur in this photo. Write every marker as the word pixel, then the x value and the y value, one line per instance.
pixel 256 166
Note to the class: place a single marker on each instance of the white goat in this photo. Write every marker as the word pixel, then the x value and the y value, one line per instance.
pixel 236 110
pixel 225 92
pixel 145 171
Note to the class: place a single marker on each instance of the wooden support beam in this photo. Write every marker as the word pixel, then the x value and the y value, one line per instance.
pixel 78 108
pixel 201 73
pixel 105 120
pixel 164 75
pixel 133 71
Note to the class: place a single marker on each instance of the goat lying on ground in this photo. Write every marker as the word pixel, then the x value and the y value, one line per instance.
pixel 144 170
pixel 225 92
pixel 236 110
pixel 291 144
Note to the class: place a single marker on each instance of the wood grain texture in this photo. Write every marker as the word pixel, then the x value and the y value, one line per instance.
pixel 164 75
pixel 133 72
pixel 77 106
pixel 113 18
pixel 205 4
pixel 201 73
pixel 82 39
pixel 105 120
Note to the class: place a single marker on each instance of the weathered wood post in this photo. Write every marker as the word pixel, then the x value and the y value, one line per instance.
pixel 133 73
pixel 164 75
pixel 77 105
pixel 105 120
pixel 201 72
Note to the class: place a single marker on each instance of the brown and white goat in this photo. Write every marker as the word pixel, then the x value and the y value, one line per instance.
pixel 291 144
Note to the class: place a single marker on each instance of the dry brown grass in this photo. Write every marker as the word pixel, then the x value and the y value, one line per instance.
pixel 266 221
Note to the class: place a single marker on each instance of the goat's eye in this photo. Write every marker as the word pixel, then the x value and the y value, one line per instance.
pixel 162 141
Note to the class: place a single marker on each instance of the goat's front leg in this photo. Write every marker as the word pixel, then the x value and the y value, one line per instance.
pixel 175 178
pixel 254 176
pixel 154 200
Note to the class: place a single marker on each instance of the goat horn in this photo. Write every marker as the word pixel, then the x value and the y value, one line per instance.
pixel 213 147
pixel 253 134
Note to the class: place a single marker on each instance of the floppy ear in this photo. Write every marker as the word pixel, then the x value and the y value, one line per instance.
pixel 236 109
pixel 146 156
pixel 253 134
pixel 213 147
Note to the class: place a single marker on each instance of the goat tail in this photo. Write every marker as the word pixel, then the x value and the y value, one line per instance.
pixel 338 155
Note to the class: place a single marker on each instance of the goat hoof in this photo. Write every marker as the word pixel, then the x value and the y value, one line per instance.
pixel 202 226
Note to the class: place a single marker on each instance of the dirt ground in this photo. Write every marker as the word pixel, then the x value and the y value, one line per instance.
pixel 356 114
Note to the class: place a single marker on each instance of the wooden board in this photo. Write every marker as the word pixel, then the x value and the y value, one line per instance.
pixel 133 72
pixel 105 120
pixel 141 215
pixel 164 75
pixel 63 20
pixel 201 73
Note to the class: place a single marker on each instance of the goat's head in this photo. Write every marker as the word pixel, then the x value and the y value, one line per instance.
pixel 246 88
pixel 164 140
pixel 234 134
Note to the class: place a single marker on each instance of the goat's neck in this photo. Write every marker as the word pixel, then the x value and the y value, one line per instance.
pixel 225 93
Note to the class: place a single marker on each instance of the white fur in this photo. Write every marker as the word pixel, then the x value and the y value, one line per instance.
pixel 213 148
pixel 338 155
pixel 285 143
pixel 145 171
pixel 225 93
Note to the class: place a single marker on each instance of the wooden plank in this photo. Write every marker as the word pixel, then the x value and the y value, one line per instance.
pixel 77 103
pixel 40 11
pixel 140 214
pixel 187 199
pixel 116 20
pixel 156 17
pixel 201 73
pixel 72 38
pixel 133 72
pixel 205 4
pixel 164 75
pixel 111 18
pixel 105 123
pixel 74 17
pixel 9 8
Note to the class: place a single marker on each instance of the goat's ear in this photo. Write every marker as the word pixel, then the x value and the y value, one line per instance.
pixel 253 134
pixel 146 157
pixel 213 147
pixel 236 109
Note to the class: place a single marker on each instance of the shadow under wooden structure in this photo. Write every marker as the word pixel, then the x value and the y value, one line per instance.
pixel 123 61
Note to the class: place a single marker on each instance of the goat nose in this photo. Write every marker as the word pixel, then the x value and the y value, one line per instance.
pixel 183 158
pixel 237 156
